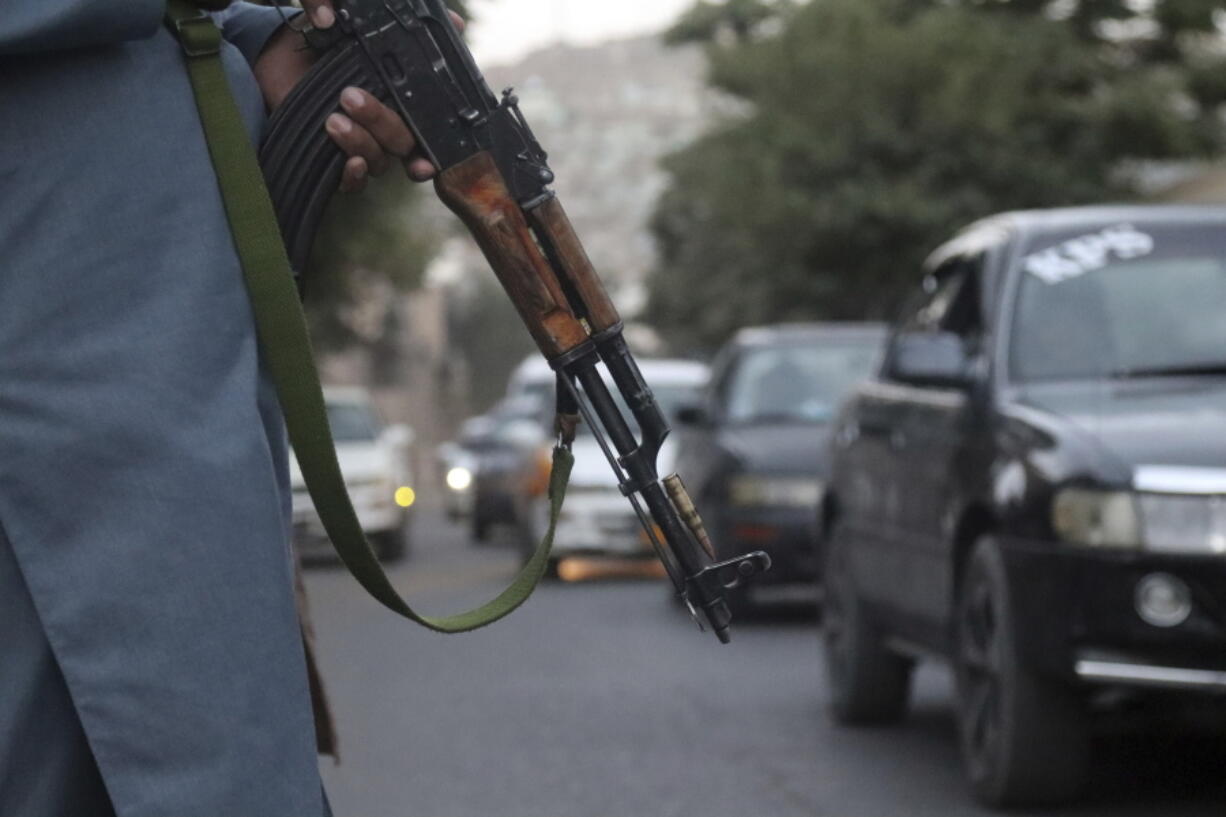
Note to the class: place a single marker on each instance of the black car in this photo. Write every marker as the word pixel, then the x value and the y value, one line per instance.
pixel 502 445
pixel 753 454
pixel 1034 487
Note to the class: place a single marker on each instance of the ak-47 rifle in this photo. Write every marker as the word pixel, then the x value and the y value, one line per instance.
pixel 493 174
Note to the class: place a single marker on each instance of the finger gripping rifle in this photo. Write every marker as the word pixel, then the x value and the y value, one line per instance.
pixel 494 175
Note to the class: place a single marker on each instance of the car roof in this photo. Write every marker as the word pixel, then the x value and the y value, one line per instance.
pixel 676 371
pixel 1065 218
pixel 533 368
pixel 1024 224
pixel 810 332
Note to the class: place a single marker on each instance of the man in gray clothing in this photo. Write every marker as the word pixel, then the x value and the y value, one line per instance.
pixel 151 663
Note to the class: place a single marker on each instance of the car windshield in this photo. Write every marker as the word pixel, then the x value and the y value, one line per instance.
pixel 794 383
pixel 353 422
pixel 1124 301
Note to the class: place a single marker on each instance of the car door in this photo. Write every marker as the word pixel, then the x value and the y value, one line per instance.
pixel 940 434
pixel 882 462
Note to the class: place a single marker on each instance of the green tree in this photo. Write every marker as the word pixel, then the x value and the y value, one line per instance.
pixel 877 127
pixel 367 244
pixel 490 335
pixel 735 21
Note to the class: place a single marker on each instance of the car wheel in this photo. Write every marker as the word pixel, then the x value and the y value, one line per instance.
pixel 1024 738
pixel 869 684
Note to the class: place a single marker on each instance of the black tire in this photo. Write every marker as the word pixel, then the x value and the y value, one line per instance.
pixel 1024 738
pixel 869 684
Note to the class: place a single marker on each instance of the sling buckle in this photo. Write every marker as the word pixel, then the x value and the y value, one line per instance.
pixel 197 34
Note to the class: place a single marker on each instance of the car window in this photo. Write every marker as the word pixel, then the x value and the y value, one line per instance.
pixel 353 422
pixel 948 300
pixel 795 383
pixel 963 315
pixel 939 291
pixel 1086 309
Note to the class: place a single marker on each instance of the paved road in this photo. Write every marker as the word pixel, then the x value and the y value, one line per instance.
pixel 599 699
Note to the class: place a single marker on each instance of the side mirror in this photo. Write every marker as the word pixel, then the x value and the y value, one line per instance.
pixel 930 359
pixel 693 415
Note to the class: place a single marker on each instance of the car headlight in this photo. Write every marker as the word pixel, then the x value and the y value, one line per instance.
pixel 459 479
pixel 1161 523
pixel 785 492
pixel 1097 518
pixel 1183 524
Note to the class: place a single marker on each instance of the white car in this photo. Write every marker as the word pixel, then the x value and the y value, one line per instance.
pixel 374 462
pixel 597 520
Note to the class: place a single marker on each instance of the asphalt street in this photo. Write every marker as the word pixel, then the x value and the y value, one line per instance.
pixel 601 699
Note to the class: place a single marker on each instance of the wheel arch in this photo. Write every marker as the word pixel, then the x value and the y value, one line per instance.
pixel 975 521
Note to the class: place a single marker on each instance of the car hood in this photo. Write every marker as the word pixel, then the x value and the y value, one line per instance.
pixel 796 448
pixel 1165 421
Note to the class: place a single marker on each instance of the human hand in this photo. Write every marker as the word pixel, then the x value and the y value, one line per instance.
pixel 371 133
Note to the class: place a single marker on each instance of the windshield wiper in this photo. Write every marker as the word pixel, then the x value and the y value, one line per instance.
pixel 1208 369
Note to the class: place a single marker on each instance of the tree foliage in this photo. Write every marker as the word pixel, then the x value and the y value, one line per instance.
pixel 368 245
pixel 735 21
pixel 877 127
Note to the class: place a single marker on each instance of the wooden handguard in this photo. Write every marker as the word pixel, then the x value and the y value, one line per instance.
pixel 553 226
pixel 476 192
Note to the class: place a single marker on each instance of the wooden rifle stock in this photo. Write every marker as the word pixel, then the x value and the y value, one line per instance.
pixel 554 229
pixel 476 192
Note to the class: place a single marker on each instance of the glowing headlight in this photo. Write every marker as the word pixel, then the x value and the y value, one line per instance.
pixel 1161 523
pixel 750 491
pixel 459 479
pixel 1097 518
pixel 1184 524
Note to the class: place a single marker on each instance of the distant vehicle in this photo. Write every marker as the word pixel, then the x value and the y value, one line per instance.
pixel 597 519
pixel 754 452
pixel 533 379
pixel 489 460
pixel 1034 488
pixel 374 462
pixel 458 467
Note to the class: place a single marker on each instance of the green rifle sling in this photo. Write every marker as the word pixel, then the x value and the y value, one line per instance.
pixel 285 344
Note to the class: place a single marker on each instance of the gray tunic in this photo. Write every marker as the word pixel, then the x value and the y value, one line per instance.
pixel 143 485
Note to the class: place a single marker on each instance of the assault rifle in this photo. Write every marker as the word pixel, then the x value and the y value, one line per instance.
pixel 494 175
